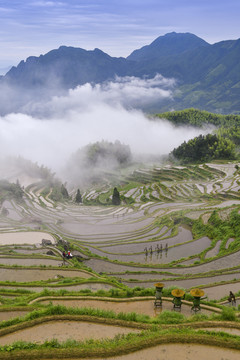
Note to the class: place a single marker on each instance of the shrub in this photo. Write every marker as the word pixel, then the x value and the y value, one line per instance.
pixel 228 314
pixel 170 317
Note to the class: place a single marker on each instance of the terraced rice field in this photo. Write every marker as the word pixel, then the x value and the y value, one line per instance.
pixel 63 330
pixel 168 352
pixel 152 237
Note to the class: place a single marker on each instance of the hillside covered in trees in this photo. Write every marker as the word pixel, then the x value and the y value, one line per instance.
pixel 199 118
pixel 223 143
pixel 205 148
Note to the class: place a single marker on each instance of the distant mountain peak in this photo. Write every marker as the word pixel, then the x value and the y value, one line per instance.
pixel 207 76
pixel 168 45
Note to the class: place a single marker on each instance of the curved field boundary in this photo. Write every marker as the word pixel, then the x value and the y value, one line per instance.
pixel 85 318
pixel 134 299
pixel 233 259
pixel 125 346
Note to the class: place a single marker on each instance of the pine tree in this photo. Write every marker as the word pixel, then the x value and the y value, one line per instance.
pixel 64 192
pixel 78 198
pixel 116 197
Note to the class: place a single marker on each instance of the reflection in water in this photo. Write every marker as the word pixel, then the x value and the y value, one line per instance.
pixel 158 253
pixel 157 310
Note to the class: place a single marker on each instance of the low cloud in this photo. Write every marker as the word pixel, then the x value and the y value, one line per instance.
pixel 49 132
pixel 126 92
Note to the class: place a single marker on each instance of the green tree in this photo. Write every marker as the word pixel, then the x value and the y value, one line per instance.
pixel 116 197
pixel 64 192
pixel 78 198
pixel 205 148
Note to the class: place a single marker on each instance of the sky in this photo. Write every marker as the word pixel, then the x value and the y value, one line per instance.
pixel 34 27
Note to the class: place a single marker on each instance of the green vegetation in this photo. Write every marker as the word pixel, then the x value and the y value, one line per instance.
pixel 200 118
pixel 218 229
pixel 59 192
pixel 78 198
pixel 102 154
pixel 205 148
pixel 175 328
pixel 10 191
pixel 116 197
pixel 121 344
pixel 169 201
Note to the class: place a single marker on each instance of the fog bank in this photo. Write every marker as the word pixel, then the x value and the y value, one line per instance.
pixel 49 132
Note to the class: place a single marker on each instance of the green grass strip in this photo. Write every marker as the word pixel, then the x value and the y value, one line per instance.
pixel 120 345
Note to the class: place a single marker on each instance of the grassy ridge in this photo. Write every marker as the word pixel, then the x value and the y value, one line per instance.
pixel 199 118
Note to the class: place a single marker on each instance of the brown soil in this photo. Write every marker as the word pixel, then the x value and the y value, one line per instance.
pixel 179 352
pixel 30 237
pixel 7 315
pixel 63 330
pixel 24 275
pixel 141 307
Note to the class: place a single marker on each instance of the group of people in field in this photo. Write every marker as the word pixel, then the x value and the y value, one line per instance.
pixel 67 255
pixel 158 249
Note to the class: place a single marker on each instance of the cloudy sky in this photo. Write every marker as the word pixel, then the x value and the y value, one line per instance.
pixel 32 27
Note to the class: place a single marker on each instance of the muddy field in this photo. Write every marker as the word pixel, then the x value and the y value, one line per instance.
pixel 64 330
pixel 181 351
pixel 145 307
pixel 127 239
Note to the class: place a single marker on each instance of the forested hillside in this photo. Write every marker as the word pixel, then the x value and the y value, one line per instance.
pixel 223 143
pixel 199 118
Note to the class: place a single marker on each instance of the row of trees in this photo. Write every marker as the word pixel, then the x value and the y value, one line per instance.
pixel 199 118
pixel 60 193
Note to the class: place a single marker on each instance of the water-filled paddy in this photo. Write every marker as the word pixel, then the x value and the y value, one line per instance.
pixel 12 213
pixel 28 275
pixel 30 237
pixel 224 262
pixel 141 306
pixel 83 228
pixel 213 252
pixel 29 261
pixel 90 286
pixel 63 330
pixel 7 315
pixel 179 352
pixel 187 283
pixel 219 291
pixel 164 257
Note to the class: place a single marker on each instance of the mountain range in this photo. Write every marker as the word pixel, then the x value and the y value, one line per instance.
pixel 207 76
